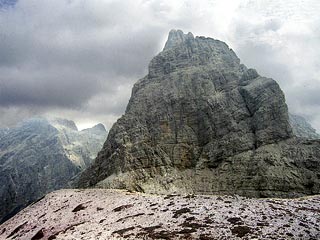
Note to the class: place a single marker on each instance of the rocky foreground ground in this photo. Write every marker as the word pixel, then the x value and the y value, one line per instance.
pixel 116 214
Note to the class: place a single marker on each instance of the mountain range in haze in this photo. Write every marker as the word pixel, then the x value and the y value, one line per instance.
pixel 40 155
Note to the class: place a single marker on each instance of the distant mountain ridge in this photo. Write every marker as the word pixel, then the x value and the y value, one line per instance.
pixel 301 128
pixel 40 155
pixel 82 146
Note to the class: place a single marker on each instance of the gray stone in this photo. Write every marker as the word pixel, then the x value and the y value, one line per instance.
pixel 201 122
pixel 41 155
pixel 115 214
pixel 301 128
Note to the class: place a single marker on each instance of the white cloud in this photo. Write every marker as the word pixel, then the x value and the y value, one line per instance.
pixel 79 59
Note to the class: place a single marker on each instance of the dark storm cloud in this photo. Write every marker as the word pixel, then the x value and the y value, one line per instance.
pixel 79 59
pixel 64 53
pixel 4 4
pixel 51 87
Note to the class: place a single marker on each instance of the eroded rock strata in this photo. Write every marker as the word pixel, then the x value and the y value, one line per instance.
pixel 202 122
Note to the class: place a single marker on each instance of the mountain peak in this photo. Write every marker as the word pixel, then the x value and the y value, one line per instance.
pixel 99 127
pixel 198 115
pixel 177 37
pixel 56 122
pixel 184 51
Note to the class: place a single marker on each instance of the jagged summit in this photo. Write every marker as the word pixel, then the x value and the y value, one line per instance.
pixel 185 51
pixel 202 122
pixel 97 128
pixel 177 37
pixel 60 122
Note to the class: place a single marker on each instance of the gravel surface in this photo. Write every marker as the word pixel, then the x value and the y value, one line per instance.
pixel 115 214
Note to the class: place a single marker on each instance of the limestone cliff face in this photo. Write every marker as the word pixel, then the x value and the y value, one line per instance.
pixel 202 122
pixel 39 156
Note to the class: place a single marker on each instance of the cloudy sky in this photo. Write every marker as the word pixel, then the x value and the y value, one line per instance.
pixel 79 59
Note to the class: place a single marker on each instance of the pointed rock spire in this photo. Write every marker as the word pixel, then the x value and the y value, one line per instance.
pixel 177 37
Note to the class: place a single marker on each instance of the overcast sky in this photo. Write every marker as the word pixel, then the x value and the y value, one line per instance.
pixel 79 59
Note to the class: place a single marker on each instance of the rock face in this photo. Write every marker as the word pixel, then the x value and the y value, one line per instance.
pixel 201 122
pixel 42 155
pixel 301 128
pixel 81 147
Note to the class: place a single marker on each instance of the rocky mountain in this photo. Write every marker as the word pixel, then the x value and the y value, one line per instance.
pixel 301 128
pixel 112 214
pixel 202 122
pixel 81 147
pixel 41 155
